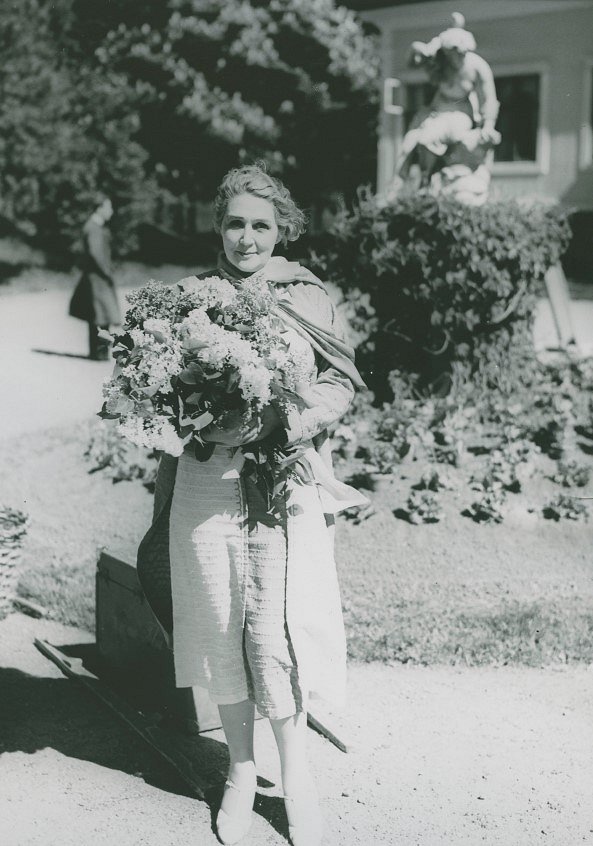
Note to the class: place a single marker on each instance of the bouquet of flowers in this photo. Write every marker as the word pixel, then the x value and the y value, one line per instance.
pixel 192 352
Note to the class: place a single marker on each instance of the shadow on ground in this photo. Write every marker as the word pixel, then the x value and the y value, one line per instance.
pixel 40 351
pixel 45 712
pixel 39 712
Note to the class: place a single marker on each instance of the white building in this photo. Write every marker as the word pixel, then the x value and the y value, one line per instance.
pixel 541 53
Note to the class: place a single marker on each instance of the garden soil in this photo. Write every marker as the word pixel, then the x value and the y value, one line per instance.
pixel 441 757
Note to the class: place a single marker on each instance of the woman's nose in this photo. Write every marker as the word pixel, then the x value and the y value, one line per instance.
pixel 247 234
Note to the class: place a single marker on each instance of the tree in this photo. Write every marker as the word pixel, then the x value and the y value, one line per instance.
pixel 217 83
pixel 65 130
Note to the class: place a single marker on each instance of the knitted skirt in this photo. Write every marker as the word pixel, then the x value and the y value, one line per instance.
pixel 228 580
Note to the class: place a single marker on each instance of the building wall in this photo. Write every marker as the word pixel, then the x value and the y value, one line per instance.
pixel 554 37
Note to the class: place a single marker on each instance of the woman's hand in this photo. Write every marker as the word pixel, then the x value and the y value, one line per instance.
pixel 239 427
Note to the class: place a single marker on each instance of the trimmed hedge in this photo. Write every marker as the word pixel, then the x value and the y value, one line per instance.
pixel 454 287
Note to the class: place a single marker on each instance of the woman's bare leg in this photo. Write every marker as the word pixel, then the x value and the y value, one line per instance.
pixel 305 824
pixel 291 739
pixel 237 722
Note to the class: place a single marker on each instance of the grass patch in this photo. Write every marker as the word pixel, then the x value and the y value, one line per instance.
pixel 451 593
pixel 527 633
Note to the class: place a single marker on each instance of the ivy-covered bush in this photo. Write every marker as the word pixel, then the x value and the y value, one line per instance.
pixel 67 130
pixel 454 287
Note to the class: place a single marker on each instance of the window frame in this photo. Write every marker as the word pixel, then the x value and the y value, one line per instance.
pixel 541 165
pixel 586 127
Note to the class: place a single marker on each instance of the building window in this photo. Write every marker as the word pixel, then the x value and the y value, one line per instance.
pixel 418 95
pixel 518 119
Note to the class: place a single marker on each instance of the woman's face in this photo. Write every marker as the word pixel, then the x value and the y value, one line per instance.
pixel 249 232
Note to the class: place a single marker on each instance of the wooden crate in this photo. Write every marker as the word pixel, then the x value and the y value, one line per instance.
pixel 133 649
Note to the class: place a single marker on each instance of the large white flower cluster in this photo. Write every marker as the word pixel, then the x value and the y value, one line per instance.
pixel 210 292
pixel 157 356
pixel 219 348
pixel 168 364
pixel 152 432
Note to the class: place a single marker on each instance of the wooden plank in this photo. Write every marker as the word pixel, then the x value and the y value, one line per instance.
pixel 131 642
pixel 323 728
pixel 27 606
pixel 169 747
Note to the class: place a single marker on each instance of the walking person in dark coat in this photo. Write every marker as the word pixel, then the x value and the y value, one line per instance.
pixel 95 299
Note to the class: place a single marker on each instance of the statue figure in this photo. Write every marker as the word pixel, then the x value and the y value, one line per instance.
pixel 452 138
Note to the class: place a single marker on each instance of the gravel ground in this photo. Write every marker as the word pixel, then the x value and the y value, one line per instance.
pixel 441 756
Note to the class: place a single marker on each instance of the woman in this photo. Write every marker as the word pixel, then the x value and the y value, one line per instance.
pixel 256 609
pixel 95 298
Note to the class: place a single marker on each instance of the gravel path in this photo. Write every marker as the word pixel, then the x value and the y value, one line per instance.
pixel 442 757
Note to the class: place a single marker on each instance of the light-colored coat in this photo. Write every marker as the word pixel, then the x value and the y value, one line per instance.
pixel 313 607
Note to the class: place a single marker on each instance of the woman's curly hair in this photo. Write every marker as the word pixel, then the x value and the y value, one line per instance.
pixel 253 179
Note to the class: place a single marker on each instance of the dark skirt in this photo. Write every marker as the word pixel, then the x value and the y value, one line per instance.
pixel 95 301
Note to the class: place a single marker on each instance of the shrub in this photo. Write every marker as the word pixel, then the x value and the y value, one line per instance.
pixel 423 507
pixel 567 508
pixel 454 287
pixel 570 474
pixel 123 461
pixel 489 506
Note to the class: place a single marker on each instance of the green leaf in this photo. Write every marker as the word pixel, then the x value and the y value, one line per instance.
pixel 120 405
pixel 193 374
pixel 194 398
pixel 203 420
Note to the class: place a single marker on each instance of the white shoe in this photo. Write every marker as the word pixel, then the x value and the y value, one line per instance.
pixel 305 822
pixel 232 827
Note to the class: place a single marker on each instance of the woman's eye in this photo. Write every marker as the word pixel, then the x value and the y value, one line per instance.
pixel 262 226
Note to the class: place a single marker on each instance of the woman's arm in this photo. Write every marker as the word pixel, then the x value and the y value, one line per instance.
pixel 242 426
pixel 305 415
pixel 485 90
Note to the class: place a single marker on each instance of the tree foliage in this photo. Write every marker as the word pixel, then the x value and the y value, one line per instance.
pixel 216 83
pixel 66 130
pixel 150 100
